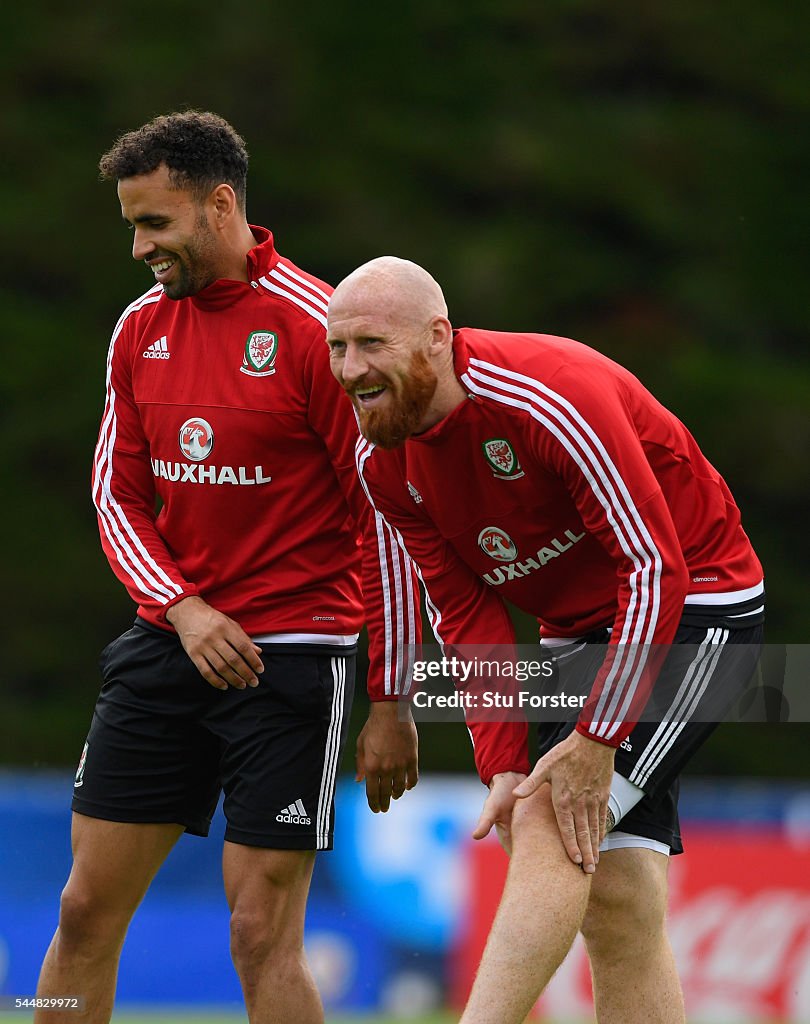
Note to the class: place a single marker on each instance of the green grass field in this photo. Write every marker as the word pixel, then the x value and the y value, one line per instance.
pixel 237 1019
pixel 168 1017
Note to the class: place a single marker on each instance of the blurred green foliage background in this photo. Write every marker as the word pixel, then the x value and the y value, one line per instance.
pixel 633 175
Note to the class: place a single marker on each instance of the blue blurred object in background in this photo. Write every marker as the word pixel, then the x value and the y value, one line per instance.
pixel 383 913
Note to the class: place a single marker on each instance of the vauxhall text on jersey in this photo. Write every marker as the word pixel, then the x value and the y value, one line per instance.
pixel 222 407
pixel 562 485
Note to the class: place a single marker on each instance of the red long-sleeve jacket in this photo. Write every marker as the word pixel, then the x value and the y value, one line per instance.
pixel 221 410
pixel 563 485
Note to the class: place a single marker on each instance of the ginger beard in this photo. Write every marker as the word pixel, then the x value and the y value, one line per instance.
pixel 409 396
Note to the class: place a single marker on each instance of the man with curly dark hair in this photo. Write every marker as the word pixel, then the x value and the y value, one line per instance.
pixel 199 149
pixel 251 589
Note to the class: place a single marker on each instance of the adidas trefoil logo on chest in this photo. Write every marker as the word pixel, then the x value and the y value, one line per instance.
pixel 158 349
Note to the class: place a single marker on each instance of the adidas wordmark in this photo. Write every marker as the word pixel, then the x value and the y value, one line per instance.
pixel 295 814
pixel 158 350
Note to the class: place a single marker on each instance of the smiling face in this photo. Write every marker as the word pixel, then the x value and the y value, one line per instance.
pixel 391 349
pixel 173 233
pixel 387 375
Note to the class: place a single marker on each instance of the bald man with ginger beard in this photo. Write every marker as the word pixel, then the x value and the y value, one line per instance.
pixel 612 529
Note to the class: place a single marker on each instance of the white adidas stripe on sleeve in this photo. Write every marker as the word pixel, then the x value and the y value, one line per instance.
pixel 131 554
pixel 583 445
pixel 399 597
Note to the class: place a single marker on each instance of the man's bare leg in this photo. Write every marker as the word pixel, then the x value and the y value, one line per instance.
pixel 267 893
pixel 541 910
pixel 635 980
pixel 113 865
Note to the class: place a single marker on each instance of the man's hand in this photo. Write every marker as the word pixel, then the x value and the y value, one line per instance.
pixel 497 809
pixel 219 647
pixel 580 772
pixel 387 754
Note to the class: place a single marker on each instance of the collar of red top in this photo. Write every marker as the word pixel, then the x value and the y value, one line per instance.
pixel 224 292
pixel 461 354
pixel 456 417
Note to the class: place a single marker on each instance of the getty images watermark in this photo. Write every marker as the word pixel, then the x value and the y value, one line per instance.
pixel 709 682
pixel 494 672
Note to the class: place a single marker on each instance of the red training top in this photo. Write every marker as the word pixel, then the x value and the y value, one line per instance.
pixel 563 485
pixel 222 410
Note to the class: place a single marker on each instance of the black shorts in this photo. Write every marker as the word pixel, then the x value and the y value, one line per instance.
pixel 706 670
pixel 163 742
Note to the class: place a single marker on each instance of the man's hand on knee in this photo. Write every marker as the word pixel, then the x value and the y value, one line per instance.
pixel 579 771
pixel 498 807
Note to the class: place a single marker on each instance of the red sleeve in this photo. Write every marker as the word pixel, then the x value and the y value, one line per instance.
pixel 124 494
pixel 462 609
pixel 586 433
pixel 390 590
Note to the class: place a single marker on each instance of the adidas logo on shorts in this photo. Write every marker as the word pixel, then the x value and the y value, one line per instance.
pixel 295 814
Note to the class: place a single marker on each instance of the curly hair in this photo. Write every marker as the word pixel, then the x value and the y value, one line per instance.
pixel 200 149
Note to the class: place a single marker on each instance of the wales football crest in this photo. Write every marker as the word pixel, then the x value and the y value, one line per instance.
pixel 501 457
pixel 260 354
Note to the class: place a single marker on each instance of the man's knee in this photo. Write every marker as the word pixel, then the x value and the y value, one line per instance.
pixel 260 934
pixel 86 921
pixel 533 818
pixel 268 904
pixel 113 865
pixel 270 931
pixel 628 903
